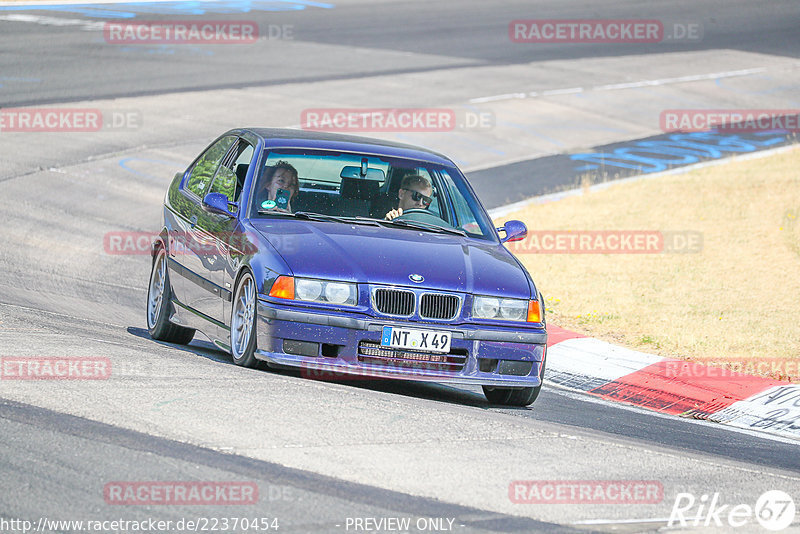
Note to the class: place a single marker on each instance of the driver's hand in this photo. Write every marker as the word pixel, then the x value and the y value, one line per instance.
pixel 394 214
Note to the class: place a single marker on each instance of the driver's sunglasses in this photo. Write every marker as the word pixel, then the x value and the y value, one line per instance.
pixel 416 196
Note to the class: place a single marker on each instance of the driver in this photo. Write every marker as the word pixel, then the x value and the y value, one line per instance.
pixel 415 193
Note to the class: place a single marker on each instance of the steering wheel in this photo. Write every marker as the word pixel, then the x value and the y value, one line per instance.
pixel 423 216
pixel 412 211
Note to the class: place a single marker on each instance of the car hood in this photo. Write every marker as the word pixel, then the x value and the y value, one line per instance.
pixel 381 255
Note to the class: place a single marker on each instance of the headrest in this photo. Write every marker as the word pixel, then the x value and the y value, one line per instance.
pixel 359 188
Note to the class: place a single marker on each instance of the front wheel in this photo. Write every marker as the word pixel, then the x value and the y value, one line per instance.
pixel 243 322
pixel 514 396
pixel 158 303
pixel 511 396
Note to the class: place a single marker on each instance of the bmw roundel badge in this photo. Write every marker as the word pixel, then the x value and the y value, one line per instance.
pixel 417 278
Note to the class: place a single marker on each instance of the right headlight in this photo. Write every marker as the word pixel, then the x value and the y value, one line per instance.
pixel 506 309
pixel 312 290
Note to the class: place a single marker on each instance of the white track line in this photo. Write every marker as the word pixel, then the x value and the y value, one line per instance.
pixel 553 92
pixel 53 21
pixel 620 521
pixel 618 86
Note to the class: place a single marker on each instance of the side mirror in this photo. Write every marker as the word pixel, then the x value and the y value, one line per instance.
pixel 219 204
pixel 515 231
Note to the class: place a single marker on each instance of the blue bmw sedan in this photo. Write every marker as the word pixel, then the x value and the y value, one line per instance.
pixel 349 257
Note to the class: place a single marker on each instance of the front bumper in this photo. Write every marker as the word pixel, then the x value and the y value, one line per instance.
pixel 333 346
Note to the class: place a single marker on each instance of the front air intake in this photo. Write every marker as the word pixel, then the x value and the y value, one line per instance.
pixel 394 301
pixel 438 306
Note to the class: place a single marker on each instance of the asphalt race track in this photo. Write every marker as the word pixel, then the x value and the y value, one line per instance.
pixel 325 454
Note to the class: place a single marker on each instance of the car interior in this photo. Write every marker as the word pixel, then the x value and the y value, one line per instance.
pixel 354 196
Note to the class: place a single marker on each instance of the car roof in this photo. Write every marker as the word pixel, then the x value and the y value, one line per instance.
pixel 290 138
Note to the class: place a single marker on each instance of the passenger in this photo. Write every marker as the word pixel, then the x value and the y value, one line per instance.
pixel 282 175
pixel 415 193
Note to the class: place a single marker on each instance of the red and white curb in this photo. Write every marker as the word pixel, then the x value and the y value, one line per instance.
pixel 672 386
pixel 667 385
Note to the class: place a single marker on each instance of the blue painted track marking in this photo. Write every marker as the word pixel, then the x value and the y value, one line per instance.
pixel 129 10
pixel 171 164
pixel 676 150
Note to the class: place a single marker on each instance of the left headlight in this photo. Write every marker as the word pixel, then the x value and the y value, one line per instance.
pixel 313 290
pixel 506 309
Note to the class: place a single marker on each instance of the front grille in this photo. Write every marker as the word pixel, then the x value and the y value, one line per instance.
pixel 373 353
pixel 394 301
pixel 438 306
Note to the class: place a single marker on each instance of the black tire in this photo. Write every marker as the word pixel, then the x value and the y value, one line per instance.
pixel 243 321
pixel 513 396
pixel 158 305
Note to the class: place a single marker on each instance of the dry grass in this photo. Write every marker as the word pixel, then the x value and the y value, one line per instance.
pixel 739 298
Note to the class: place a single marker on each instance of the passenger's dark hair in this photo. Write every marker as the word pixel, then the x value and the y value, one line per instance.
pixel 270 171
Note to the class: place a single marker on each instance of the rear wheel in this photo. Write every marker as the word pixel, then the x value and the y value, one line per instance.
pixel 243 322
pixel 158 303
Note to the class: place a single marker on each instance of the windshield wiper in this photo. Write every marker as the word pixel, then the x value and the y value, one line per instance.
pixel 369 221
pixel 335 218
pixel 311 216
pixel 262 211
pixel 425 226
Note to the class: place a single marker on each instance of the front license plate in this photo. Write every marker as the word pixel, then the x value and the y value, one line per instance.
pixel 406 338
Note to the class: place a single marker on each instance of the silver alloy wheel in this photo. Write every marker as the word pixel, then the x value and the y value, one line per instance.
pixel 244 307
pixel 155 296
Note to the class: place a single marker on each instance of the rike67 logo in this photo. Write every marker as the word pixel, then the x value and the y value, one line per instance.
pixel 774 510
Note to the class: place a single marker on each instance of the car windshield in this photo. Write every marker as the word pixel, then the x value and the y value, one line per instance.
pixel 338 186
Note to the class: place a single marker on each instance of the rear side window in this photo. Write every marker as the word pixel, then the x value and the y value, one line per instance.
pixel 233 170
pixel 203 171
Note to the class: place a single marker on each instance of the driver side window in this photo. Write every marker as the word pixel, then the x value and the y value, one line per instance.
pixel 465 218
